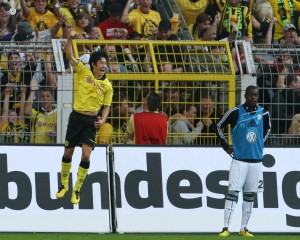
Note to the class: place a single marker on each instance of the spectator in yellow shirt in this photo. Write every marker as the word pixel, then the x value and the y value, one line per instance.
pixel 142 20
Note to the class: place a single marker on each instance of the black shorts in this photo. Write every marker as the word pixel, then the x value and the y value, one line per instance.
pixel 81 130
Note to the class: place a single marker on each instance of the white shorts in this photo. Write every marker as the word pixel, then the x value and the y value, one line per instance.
pixel 245 176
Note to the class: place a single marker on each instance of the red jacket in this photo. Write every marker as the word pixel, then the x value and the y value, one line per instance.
pixel 150 128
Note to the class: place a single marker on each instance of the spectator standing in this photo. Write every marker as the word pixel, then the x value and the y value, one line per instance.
pixel 249 4
pixel 182 125
pixel 280 117
pixel 173 53
pixel 191 8
pixel 149 126
pixel 14 76
pixel 274 76
pixel 134 63
pixel 249 127
pixel 43 117
pixel 83 20
pixel 103 14
pixel 113 24
pixel 284 12
pixel 7 23
pixel 209 117
pixel 42 19
pixel 204 27
pixel 171 101
pixel 261 18
pixel 234 11
pixel 142 20
pixel 92 91
pixel 289 35
pixel 69 14
pixel 293 97
pixel 12 123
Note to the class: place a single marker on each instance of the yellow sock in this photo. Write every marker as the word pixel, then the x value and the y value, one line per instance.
pixel 82 172
pixel 65 172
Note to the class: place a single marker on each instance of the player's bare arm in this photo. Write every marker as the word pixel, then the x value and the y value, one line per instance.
pixel 69 51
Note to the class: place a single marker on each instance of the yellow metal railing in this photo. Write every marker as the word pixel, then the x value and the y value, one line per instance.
pixel 182 72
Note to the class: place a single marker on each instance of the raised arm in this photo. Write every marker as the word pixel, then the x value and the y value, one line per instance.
pixel 269 34
pixel 22 105
pixel 69 51
pixel 127 51
pixel 60 21
pixel 7 91
pixel 25 9
pixel 213 29
pixel 50 75
pixel 37 54
pixel 255 23
pixel 124 17
pixel 28 105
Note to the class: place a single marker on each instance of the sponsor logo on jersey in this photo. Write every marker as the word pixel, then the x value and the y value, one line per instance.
pixel 251 137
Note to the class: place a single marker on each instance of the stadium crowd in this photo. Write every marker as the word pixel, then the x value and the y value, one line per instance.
pixel 28 78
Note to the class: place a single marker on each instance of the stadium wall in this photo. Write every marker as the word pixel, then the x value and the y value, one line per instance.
pixel 142 189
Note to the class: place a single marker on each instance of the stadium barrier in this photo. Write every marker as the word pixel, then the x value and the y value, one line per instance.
pixel 180 71
pixel 142 189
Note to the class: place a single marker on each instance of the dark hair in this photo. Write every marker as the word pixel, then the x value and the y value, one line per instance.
pixel 202 17
pixel 12 53
pixel 249 88
pixel 47 89
pixel 153 100
pixel 84 14
pixel 6 6
pixel 12 20
pixel 95 56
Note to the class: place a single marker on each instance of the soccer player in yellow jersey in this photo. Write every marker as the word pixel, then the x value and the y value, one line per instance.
pixel 92 90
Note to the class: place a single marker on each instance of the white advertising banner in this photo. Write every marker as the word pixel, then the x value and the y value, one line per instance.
pixel 29 179
pixel 182 189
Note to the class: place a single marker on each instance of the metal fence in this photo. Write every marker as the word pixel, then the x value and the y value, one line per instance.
pixel 28 92
pixel 182 73
pixel 188 76
pixel 275 70
pixel 185 74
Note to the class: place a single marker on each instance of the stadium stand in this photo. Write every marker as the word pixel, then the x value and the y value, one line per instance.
pixel 208 67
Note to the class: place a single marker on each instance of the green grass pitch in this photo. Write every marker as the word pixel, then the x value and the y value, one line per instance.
pixel 150 236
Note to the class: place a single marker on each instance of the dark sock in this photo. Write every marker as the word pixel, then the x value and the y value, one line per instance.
pixel 85 164
pixel 66 160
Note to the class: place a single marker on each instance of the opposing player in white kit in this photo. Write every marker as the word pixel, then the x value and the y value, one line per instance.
pixel 249 128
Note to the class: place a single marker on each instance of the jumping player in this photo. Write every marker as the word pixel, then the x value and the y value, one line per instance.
pixel 92 90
